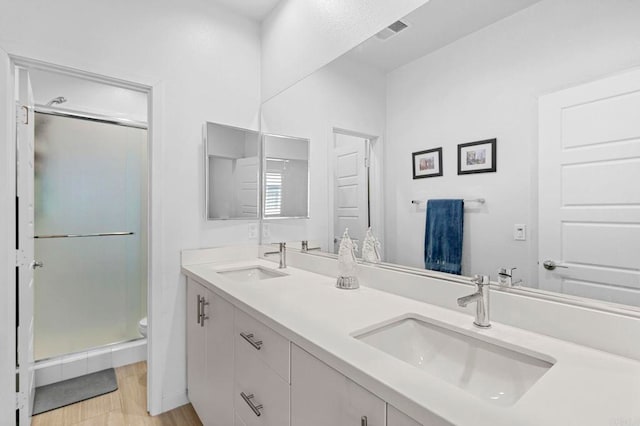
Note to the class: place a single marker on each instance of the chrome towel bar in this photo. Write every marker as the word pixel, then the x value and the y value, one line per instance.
pixel 473 200
pixel 102 234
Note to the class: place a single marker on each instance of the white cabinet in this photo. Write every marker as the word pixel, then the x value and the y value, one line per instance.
pixel 396 417
pixel 196 348
pixel 261 396
pixel 210 357
pixel 272 349
pixel 321 396
pixel 261 373
pixel 238 421
pixel 240 372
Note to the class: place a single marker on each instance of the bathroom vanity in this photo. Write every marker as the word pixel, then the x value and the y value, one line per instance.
pixel 270 346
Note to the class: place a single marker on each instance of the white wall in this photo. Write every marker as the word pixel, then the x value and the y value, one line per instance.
pixel 483 86
pixel 300 36
pixel 344 95
pixel 88 96
pixel 205 63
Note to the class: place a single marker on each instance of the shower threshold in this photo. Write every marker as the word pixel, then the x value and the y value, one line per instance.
pixel 68 366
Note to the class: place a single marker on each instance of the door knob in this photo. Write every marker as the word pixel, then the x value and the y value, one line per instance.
pixel 36 264
pixel 550 265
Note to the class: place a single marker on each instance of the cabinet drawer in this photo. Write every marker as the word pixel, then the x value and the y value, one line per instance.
pixel 396 417
pixel 321 396
pixel 258 386
pixel 266 344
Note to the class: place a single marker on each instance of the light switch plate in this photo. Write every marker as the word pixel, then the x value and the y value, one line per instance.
pixel 253 231
pixel 520 232
pixel 266 232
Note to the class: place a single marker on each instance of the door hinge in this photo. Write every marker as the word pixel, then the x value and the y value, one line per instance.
pixel 19 400
pixel 367 154
pixel 19 258
pixel 22 114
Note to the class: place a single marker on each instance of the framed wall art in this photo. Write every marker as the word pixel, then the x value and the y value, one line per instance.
pixel 427 163
pixel 477 157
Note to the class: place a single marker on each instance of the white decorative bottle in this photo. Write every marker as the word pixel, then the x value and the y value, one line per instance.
pixel 347 264
pixel 371 248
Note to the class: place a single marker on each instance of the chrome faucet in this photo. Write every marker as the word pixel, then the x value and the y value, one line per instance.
pixel 305 247
pixel 505 277
pixel 481 297
pixel 282 251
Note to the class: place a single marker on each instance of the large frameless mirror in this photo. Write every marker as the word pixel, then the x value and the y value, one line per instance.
pixel 232 172
pixel 286 177
pixel 495 79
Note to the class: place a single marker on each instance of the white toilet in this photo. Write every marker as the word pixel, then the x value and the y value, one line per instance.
pixel 142 327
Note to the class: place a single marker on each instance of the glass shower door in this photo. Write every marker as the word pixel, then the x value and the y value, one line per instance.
pixel 91 234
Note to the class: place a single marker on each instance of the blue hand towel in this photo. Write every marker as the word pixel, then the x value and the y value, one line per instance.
pixel 443 236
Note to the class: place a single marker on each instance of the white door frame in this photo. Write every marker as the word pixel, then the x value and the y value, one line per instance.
pixel 376 207
pixel 25 229
pixel 8 249
pixel 154 89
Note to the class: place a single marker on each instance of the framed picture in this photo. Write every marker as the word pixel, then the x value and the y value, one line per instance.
pixel 427 163
pixel 477 157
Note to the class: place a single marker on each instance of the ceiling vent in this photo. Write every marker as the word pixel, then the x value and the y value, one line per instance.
pixel 392 30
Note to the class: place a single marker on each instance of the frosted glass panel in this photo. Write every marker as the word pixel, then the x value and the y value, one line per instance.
pixel 90 178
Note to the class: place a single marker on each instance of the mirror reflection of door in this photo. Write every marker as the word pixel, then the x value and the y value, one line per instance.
pixel 232 172
pixel 350 188
pixel 589 210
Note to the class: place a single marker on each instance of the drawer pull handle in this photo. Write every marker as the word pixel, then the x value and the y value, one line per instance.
pixel 249 338
pixel 364 421
pixel 255 408
pixel 203 316
pixel 199 309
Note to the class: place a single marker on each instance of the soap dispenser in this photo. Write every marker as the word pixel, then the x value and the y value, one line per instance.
pixel 347 264
pixel 371 248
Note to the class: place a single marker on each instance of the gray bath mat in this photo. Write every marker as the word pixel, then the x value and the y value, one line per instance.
pixel 56 395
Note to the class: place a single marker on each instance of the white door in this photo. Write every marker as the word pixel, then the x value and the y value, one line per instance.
pixel 26 263
pixel 246 187
pixel 589 195
pixel 350 188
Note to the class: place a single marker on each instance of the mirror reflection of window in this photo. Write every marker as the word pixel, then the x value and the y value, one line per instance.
pixel 273 191
pixel 286 177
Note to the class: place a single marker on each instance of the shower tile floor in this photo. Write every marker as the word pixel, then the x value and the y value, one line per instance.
pixel 125 407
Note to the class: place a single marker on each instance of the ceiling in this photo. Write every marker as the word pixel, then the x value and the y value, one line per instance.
pixel 432 26
pixel 254 9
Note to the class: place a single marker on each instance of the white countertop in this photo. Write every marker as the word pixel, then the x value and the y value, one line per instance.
pixel 584 387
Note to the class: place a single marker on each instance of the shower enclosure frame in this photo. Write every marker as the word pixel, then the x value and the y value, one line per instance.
pixel 153 88
pixel 56 111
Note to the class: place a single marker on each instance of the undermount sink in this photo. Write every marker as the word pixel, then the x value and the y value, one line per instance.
pixel 484 369
pixel 251 273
